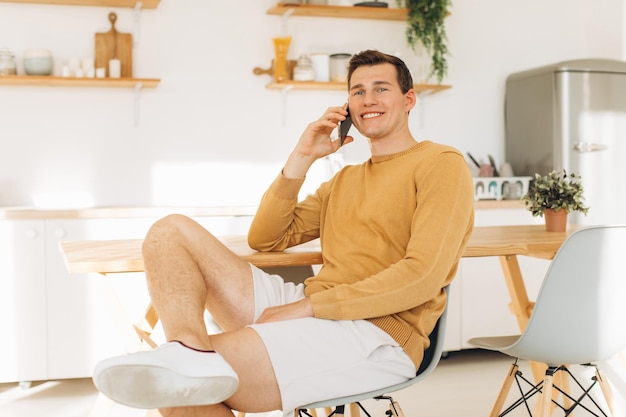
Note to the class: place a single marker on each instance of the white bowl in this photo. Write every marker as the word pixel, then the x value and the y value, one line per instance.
pixel 38 65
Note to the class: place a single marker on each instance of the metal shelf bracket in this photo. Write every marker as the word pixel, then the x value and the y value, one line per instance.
pixel 137 103
pixel 283 102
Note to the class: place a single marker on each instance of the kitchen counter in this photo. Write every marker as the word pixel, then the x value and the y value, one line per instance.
pixel 32 213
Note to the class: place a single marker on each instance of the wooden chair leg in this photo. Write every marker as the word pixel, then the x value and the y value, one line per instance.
pixel 563 381
pixel 606 390
pixel 504 391
pixel 355 411
pixel 395 409
pixel 545 399
pixel 311 411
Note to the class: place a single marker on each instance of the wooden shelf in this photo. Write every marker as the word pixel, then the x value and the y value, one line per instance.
pixel 352 12
pixel 499 204
pixel 313 85
pixel 49 81
pixel 145 4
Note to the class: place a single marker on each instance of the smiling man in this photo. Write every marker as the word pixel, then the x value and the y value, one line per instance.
pixel 392 231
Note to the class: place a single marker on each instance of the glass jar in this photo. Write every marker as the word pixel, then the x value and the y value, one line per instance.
pixel 7 62
pixel 303 70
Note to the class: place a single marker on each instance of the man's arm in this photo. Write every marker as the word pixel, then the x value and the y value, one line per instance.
pixel 278 224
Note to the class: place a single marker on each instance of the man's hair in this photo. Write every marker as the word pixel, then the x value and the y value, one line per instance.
pixel 371 57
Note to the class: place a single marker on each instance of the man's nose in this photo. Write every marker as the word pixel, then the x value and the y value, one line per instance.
pixel 369 98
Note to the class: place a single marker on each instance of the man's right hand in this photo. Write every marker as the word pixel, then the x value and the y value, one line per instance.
pixel 295 310
pixel 315 142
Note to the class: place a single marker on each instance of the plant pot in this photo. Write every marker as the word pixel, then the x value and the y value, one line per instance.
pixel 556 221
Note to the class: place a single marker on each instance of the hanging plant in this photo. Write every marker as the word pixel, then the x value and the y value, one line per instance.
pixel 425 25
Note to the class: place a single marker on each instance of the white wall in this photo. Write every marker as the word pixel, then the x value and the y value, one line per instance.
pixel 211 118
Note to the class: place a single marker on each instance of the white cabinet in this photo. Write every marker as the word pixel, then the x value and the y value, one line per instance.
pixel 56 325
pixel 82 326
pixel 23 327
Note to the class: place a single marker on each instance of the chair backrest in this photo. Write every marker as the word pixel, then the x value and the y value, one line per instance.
pixel 580 312
pixel 432 355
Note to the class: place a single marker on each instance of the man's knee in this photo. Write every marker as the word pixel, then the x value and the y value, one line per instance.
pixel 168 229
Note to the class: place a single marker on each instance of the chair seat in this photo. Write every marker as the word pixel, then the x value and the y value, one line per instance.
pixel 494 342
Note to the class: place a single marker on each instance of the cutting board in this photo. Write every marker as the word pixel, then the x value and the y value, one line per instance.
pixel 114 44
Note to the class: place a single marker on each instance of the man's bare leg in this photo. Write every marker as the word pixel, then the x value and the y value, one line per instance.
pixel 188 270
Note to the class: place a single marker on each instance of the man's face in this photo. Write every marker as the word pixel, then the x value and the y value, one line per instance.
pixel 377 105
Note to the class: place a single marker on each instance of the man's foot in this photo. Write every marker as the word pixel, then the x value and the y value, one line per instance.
pixel 173 375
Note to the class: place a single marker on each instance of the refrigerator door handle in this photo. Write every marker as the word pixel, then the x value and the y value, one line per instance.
pixel 589 147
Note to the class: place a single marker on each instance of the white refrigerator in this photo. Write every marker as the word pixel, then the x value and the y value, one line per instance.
pixel 572 115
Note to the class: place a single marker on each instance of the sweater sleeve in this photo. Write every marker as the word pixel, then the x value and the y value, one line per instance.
pixel 440 228
pixel 280 222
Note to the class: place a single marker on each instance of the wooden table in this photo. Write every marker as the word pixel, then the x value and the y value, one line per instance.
pixel 504 242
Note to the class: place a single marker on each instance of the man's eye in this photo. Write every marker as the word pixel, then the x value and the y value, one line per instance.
pixel 358 93
pixel 381 90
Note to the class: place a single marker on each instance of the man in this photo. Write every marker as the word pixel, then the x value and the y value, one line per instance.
pixel 392 231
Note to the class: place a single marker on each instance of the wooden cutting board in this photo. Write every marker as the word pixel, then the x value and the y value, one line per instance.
pixel 114 44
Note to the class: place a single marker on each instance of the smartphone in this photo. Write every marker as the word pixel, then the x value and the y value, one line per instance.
pixel 344 127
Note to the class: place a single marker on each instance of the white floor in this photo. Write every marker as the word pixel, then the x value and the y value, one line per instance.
pixel 465 384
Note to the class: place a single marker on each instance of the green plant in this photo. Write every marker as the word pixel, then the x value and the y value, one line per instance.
pixel 557 191
pixel 425 24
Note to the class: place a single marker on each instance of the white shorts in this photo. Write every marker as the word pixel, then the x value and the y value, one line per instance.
pixel 318 359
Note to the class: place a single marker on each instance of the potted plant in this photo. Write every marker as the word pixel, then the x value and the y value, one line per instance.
pixel 425 25
pixel 555 194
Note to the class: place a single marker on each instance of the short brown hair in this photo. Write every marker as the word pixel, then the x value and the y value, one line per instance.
pixel 372 57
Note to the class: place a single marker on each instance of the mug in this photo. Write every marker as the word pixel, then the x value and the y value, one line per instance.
pixel 512 190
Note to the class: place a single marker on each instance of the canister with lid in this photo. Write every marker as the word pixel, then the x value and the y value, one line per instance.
pixel 339 67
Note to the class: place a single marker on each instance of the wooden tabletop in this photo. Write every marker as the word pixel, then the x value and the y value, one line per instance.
pixel 110 256
pixel 516 240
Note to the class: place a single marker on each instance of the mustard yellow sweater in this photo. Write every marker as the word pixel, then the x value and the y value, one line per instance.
pixel 392 231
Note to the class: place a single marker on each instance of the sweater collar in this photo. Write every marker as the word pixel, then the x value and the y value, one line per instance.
pixel 382 158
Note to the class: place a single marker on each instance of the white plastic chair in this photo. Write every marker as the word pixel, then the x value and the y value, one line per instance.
pixel 578 319
pixel 432 355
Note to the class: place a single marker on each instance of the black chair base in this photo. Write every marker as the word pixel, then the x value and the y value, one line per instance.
pixel 547 393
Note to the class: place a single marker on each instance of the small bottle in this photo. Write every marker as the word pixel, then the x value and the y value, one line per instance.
pixel 7 62
pixel 303 70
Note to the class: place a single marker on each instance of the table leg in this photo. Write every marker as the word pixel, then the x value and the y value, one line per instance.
pixel 522 307
pixel 520 304
pixel 144 329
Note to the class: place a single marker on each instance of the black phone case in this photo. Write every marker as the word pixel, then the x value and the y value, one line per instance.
pixel 344 127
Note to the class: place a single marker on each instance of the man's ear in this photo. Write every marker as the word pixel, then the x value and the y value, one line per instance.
pixel 410 98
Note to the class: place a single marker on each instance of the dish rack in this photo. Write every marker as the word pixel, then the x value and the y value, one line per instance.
pixel 500 188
